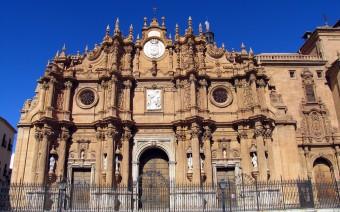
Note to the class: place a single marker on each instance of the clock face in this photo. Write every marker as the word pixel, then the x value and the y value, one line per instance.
pixel 154 48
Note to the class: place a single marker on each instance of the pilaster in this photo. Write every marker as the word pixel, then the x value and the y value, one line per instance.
pixel 63 138
pixel 262 160
pixel 126 137
pixel 196 158
pixel 207 152
pixel 44 155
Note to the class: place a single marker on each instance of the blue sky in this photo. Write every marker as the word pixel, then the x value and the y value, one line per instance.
pixel 32 31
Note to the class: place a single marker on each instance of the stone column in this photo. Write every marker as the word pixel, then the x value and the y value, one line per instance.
pixel 306 152
pixel 245 136
pixel 99 155
pixel 43 158
pixel 127 100
pixel 49 104
pixel 252 81
pixel 64 136
pixel 38 138
pixel 271 169
pixel 193 95
pixel 207 152
pixel 178 100
pixel 112 110
pixel 67 100
pixel 262 163
pixel 261 93
pixel 111 135
pixel 181 160
pixel 204 96
pixel 125 167
pixel 43 88
pixel 337 154
pixel 196 158
pixel 103 86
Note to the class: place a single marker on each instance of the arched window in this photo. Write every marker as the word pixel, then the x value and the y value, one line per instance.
pixel 4 141
pixel 308 85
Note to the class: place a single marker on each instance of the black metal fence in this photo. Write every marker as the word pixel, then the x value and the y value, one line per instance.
pixel 225 196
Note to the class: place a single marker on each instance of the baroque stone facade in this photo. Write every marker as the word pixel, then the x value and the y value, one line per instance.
pixel 181 107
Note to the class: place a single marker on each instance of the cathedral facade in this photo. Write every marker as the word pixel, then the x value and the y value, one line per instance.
pixel 183 109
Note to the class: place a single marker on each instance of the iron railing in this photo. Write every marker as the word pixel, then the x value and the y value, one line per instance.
pixel 224 196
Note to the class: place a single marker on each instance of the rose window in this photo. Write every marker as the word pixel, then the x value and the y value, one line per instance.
pixel 220 95
pixel 87 97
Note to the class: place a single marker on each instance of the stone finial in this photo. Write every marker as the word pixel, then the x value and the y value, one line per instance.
pixel 207 26
pixel 189 30
pixel 56 54
pixel 86 48
pixel 137 36
pixel 243 49
pixel 170 37
pixel 251 52
pixel 131 32
pixel 117 30
pixel 223 46
pixel 177 32
pixel 108 29
pixel 163 21
pixel 63 51
pixel 200 29
pixel 145 25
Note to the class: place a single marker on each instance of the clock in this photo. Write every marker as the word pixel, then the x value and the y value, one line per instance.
pixel 154 48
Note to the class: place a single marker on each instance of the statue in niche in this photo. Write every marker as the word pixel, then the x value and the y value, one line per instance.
pixel 238 173
pixel 82 154
pixel 105 162
pixel 52 165
pixel 224 154
pixel 254 160
pixel 190 161
pixel 202 164
pixel 117 164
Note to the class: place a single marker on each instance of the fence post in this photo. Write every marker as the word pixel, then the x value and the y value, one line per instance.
pixel 44 197
pixel 243 196
pixel 257 195
pixel 222 187
pixel 61 195
pixel 283 195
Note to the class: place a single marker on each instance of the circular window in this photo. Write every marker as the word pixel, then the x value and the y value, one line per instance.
pixel 221 96
pixel 87 98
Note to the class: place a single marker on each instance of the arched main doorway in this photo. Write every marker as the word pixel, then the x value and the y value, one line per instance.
pixel 153 180
pixel 325 183
pixel 322 171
